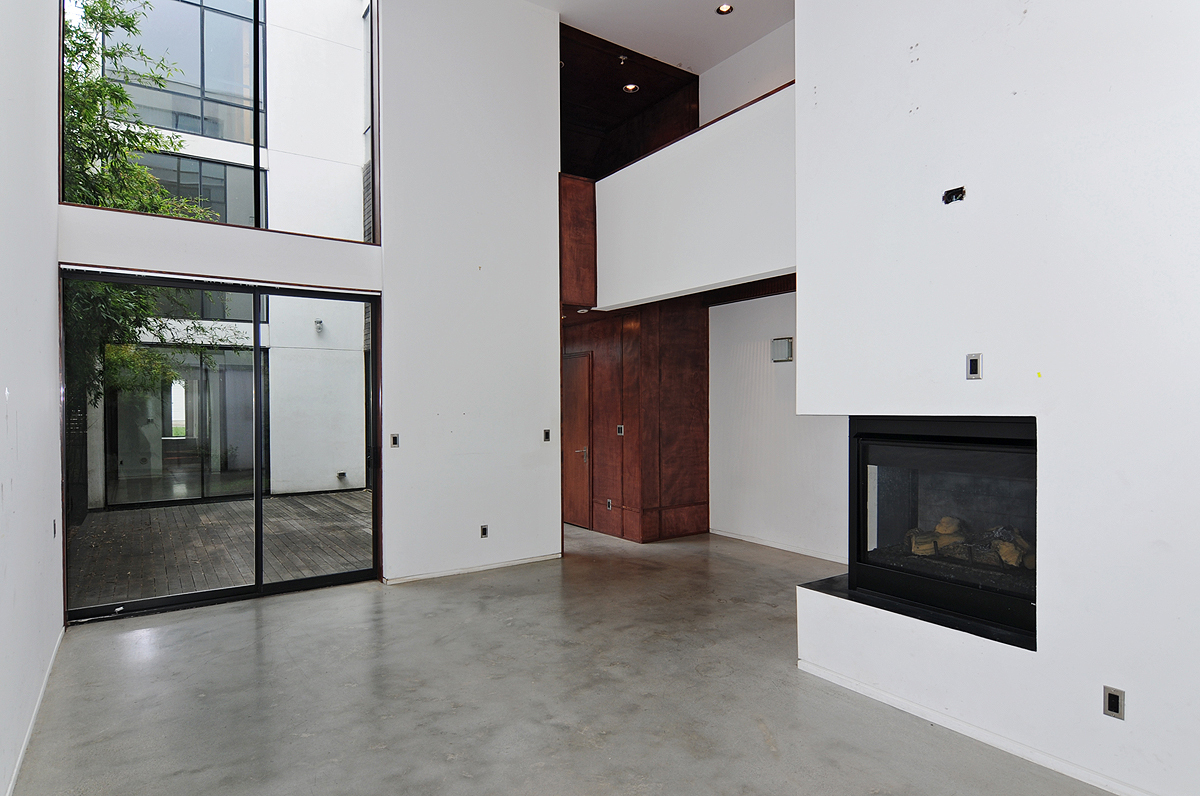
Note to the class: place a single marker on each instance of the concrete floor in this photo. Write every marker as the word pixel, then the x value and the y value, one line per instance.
pixel 621 669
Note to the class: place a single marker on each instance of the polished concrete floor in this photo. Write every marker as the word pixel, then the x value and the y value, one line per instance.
pixel 622 669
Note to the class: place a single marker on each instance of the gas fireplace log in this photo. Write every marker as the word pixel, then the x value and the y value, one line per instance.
pixel 949 526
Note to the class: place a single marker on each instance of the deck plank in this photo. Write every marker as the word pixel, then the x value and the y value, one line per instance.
pixel 129 554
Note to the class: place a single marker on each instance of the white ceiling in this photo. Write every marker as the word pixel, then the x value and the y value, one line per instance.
pixel 685 33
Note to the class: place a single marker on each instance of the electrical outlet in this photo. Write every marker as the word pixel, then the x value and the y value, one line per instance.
pixel 545 435
pixel 1114 702
pixel 621 431
pixel 974 366
pixel 482 531
pixel 395 440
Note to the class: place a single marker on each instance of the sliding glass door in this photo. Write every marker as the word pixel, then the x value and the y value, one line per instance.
pixel 219 442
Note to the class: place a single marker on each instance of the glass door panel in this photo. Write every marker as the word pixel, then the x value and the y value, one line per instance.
pixel 317 501
pixel 141 362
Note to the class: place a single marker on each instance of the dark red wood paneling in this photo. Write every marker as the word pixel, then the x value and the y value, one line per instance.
pixel 576 426
pixel 683 368
pixel 577 240
pixel 650 374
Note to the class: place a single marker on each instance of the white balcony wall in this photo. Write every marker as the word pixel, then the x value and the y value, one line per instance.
pixel 1071 265
pixel 31 575
pixel 748 74
pixel 716 208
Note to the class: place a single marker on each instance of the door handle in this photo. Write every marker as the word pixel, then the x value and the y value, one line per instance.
pixel 584 452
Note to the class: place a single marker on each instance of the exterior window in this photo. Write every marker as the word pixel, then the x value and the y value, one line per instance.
pixel 225 189
pixel 179 79
pixel 210 92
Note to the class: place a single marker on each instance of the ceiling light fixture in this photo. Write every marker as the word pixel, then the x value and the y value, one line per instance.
pixel 631 88
pixel 581 312
pixel 724 9
pixel 622 59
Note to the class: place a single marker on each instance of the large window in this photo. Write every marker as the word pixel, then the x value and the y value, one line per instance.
pixel 182 79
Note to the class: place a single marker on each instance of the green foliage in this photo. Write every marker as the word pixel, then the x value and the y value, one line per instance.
pixel 102 132
pixel 130 338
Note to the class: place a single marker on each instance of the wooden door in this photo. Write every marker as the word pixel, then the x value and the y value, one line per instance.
pixel 577 440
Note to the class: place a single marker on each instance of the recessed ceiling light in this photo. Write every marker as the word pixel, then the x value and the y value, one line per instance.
pixel 631 88
pixel 724 9
pixel 581 312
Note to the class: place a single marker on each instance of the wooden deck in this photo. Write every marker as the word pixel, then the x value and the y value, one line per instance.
pixel 131 554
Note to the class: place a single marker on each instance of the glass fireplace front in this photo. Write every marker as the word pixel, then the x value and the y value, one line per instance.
pixel 944 515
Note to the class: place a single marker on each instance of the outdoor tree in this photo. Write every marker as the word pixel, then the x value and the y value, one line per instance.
pixel 103 135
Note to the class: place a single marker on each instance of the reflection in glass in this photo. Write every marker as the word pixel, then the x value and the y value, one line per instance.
pixel 225 189
pixel 169 32
pixel 317 516
pixel 159 401
pixel 228 59
pixel 200 82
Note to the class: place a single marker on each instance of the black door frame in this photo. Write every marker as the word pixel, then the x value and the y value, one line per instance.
pixel 374 444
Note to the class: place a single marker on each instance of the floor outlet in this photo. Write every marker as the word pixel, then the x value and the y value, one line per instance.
pixel 610 504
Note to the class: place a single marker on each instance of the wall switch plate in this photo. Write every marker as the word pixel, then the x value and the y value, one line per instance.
pixel 395 440
pixel 1114 703
pixel 620 431
pixel 545 435
pixel 482 531
pixel 610 504
pixel 974 366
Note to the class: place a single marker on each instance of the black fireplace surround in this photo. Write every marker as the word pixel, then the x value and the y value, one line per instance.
pixel 943 521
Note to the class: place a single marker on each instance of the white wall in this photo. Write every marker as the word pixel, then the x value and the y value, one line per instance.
pixel 774 478
pixel 716 208
pixel 315 99
pixel 1072 266
pixel 317 395
pixel 469 173
pixel 748 74
pixel 90 237
pixel 31 589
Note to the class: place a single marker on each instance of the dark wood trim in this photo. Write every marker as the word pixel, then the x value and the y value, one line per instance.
pixel 748 104
pixel 62 19
pixel 102 273
pixel 218 223
pixel 704 126
pixel 761 288
pixel 376 225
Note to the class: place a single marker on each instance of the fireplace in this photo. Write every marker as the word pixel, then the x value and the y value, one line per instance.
pixel 943 520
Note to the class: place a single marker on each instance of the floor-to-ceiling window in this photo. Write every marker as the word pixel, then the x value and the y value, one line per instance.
pixel 219 441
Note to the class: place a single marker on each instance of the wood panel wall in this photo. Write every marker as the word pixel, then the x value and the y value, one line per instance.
pixel 577 240
pixel 651 376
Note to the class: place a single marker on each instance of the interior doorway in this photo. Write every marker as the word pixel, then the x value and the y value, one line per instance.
pixel 577 439
pixel 220 443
